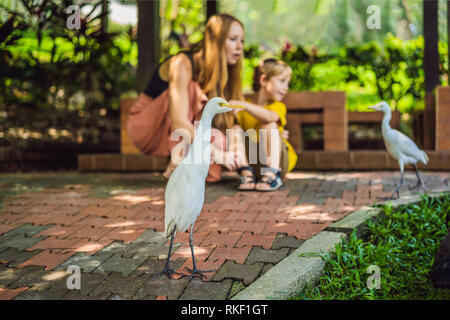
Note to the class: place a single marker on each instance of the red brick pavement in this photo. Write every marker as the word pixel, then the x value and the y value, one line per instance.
pixel 6 294
pixel 227 228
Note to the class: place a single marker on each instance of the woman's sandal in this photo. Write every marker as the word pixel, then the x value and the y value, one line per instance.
pixel 269 182
pixel 247 179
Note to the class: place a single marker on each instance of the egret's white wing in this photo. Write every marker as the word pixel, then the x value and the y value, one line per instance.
pixel 406 146
pixel 184 197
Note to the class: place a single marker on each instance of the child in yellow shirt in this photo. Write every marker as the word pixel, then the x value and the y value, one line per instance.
pixel 265 111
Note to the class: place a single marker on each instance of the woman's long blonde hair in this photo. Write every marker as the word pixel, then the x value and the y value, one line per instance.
pixel 216 77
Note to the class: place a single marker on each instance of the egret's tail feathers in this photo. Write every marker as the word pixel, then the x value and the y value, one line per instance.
pixel 169 229
pixel 425 158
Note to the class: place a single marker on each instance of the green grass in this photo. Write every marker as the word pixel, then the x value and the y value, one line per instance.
pixel 403 245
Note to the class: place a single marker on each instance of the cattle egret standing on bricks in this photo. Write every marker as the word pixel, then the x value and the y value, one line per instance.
pixel 185 190
pixel 400 146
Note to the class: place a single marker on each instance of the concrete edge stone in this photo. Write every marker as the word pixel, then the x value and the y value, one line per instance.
pixel 356 220
pixel 293 272
pixel 415 198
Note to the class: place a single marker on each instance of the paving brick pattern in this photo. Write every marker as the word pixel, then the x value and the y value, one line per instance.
pixel 117 241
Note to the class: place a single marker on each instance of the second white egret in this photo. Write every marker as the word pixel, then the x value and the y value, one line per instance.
pixel 399 146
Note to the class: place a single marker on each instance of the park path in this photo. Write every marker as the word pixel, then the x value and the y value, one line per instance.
pixel 111 227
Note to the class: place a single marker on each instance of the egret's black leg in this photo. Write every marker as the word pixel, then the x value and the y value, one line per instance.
pixel 166 270
pixel 419 180
pixel 194 271
pixel 396 191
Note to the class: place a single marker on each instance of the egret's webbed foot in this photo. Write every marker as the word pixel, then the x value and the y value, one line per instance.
pixel 418 186
pixel 395 195
pixel 167 271
pixel 415 187
pixel 197 273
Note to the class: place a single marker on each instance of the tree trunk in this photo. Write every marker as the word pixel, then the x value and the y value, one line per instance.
pixel 212 7
pixel 149 41
pixel 105 17
pixel 431 69
pixel 431 57
pixel 448 35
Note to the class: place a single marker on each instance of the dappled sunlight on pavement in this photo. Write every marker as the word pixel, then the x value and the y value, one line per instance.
pixel 113 231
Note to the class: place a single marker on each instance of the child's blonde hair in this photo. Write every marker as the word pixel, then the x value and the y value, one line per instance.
pixel 270 68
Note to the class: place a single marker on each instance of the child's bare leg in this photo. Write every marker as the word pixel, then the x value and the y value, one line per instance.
pixel 236 146
pixel 270 142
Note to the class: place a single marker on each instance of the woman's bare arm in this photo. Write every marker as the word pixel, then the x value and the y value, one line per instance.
pixel 180 75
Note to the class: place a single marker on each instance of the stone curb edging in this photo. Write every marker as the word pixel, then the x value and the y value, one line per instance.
pixel 356 220
pixel 292 273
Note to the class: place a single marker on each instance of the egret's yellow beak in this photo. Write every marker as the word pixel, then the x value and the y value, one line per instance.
pixel 226 104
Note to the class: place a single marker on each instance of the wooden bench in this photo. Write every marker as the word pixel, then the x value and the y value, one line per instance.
pixel 327 108
pixel 442 136
pixel 303 108
pixel 367 118
pixel 324 107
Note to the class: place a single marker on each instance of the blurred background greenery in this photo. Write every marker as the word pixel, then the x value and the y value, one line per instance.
pixel 58 83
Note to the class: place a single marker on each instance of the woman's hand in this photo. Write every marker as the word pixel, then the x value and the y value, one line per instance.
pixel 238 103
pixel 285 134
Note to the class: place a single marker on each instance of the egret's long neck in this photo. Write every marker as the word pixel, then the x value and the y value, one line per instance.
pixel 201 143
pixel 385 126
pixel 203 132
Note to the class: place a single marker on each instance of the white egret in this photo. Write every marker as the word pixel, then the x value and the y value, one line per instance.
pixel 185 190
pixel 400 146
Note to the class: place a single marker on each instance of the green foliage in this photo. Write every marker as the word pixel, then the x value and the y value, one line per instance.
pixel 367 72
pixel 403 245
pixel 397 70
pixel 181 17
pixel 54 77
pixel 329 24
pixel 78 74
